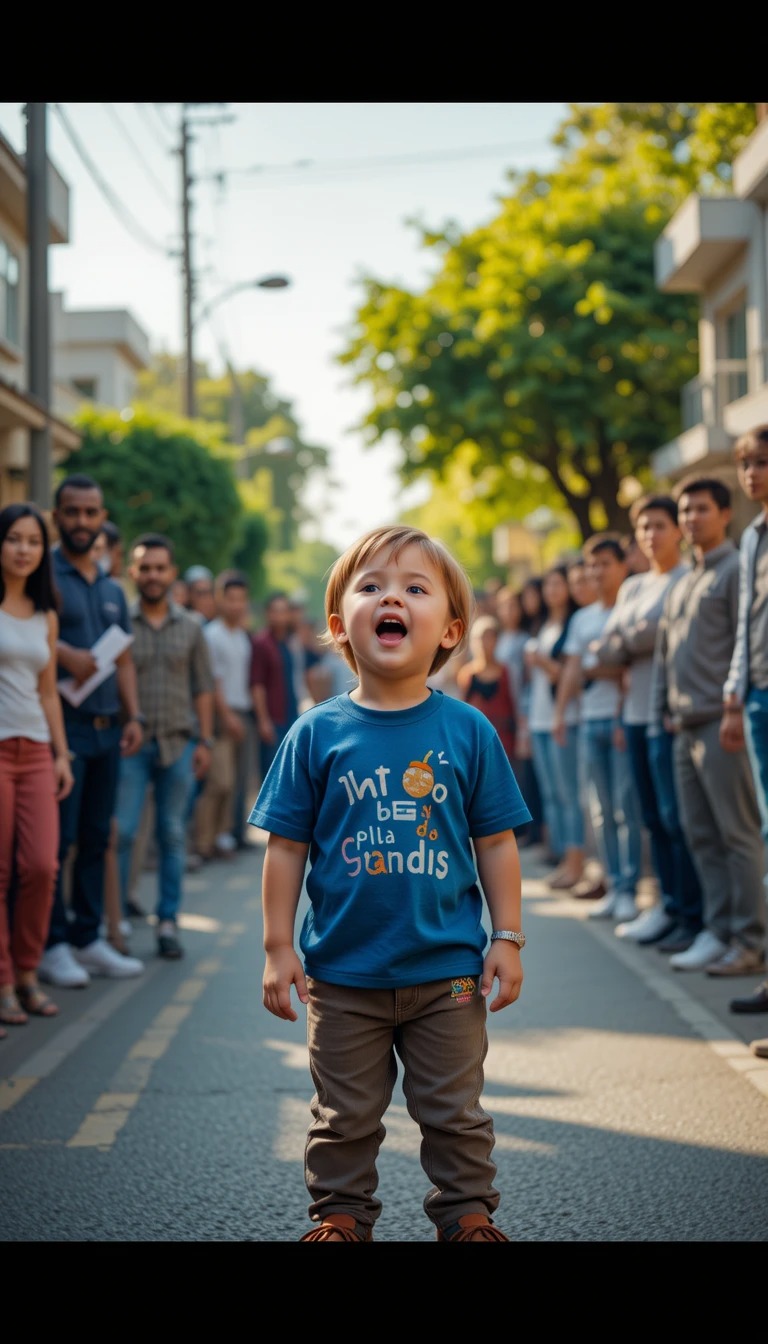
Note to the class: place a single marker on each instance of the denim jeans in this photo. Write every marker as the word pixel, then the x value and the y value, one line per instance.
pixel 613 804
pixel 172 785
pixel 85 818
pixel 756 738
pixel 651 762
pixel 557 771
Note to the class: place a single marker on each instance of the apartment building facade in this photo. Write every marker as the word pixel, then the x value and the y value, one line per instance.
pixel 95 354
pixel 717 247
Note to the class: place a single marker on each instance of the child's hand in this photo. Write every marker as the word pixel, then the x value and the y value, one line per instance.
pixel 502 963
pixel 282 969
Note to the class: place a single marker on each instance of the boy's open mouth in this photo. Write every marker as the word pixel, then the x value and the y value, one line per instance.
pixel 391 630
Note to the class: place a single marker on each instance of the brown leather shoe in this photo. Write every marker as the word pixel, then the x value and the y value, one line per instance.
pixel 562 881
pixel 737 961
pixel 472 1227
pixel 589 891
pixel 760 1048
pixel 339 1227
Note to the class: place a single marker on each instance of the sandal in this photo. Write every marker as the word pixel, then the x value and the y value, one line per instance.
pixel 339 1227
pixel 472 1227
pixel 33 1000
pixel 11 1011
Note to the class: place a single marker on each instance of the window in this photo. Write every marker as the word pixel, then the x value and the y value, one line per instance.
pixel 9 295
pixel 86 387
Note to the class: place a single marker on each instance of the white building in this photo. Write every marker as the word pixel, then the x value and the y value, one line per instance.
pixel 717 247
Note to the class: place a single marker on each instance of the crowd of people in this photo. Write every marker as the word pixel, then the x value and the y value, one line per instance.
pixel 630 683
pixel 140 708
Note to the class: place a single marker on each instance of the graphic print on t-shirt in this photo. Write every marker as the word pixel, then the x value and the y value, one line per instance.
pixel 416 820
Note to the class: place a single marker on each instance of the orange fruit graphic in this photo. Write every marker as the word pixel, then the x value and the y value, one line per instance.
pixel 418 779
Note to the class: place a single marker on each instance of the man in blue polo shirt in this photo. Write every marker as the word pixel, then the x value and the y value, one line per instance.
pixel 106 723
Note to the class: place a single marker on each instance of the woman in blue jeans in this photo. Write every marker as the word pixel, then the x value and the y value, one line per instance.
pixel 556 763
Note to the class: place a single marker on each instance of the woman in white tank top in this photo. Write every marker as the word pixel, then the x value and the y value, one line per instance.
pixel 35 769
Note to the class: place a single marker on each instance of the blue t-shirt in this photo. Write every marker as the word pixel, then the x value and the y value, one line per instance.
pixel 388 802
pixel 87 610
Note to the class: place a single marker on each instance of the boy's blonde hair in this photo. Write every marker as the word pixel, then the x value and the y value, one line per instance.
pixel 394 539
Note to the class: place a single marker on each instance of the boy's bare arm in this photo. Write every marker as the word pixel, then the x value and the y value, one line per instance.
pixel 284 864
pixel 498 867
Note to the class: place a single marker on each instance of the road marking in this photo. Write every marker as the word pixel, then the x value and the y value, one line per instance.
pixel 70 1038
pixel 102 1125
pixel 720 1040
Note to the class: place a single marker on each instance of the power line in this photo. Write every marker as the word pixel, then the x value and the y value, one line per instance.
pixel 429 156
pixel 140 155
pixel 151 124
pixel 123 214
pixel 161 117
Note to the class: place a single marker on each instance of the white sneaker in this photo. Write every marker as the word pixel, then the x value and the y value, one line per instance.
pixel 58 967
pixel 704 949
pixel 625 909
pixel 603 909
pixel 650 924
pixel 226 842
pixel 99 958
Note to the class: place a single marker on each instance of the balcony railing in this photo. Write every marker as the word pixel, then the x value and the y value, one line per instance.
pixel 703 400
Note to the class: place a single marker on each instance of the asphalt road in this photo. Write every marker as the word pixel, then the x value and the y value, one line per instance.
pixel 173 1107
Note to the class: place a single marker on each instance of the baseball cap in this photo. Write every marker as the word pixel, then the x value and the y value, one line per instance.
pixel 197 572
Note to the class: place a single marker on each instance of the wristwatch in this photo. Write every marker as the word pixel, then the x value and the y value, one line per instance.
pixel 139 718
pixel 509 936
pixel 206 742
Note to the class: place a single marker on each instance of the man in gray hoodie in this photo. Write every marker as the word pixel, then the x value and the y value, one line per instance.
pixel 715 788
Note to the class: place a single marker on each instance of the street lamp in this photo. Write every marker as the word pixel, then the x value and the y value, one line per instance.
pixel 266 282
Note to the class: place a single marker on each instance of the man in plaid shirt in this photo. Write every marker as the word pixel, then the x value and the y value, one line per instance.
pixel 176 688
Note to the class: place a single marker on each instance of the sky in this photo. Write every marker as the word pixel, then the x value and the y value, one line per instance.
pixel 318 192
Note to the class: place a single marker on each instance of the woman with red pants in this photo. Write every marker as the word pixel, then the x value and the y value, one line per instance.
pixel 35 770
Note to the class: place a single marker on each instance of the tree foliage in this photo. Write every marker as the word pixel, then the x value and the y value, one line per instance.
pixel 304 572
pixel 268 449
pixel 542 340
pixel 159 473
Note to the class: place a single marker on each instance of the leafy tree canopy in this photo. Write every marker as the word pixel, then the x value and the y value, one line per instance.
pixel 266 441
pixel 160 473
pixel 302 571
pixel 542 340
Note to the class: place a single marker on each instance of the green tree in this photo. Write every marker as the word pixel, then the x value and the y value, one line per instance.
pixel 162 474
pixel 267 445
pixel 460 513
pixel 304 571
pixel 542 339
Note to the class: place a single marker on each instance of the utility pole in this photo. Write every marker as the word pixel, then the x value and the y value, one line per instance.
pixel 189 363
pixel 187 180
pixel 38 319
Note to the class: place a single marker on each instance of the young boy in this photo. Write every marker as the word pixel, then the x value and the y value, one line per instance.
pixel 404 802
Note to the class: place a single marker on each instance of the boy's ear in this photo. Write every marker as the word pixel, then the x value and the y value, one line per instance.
pixel 453 634
pixel 336 627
